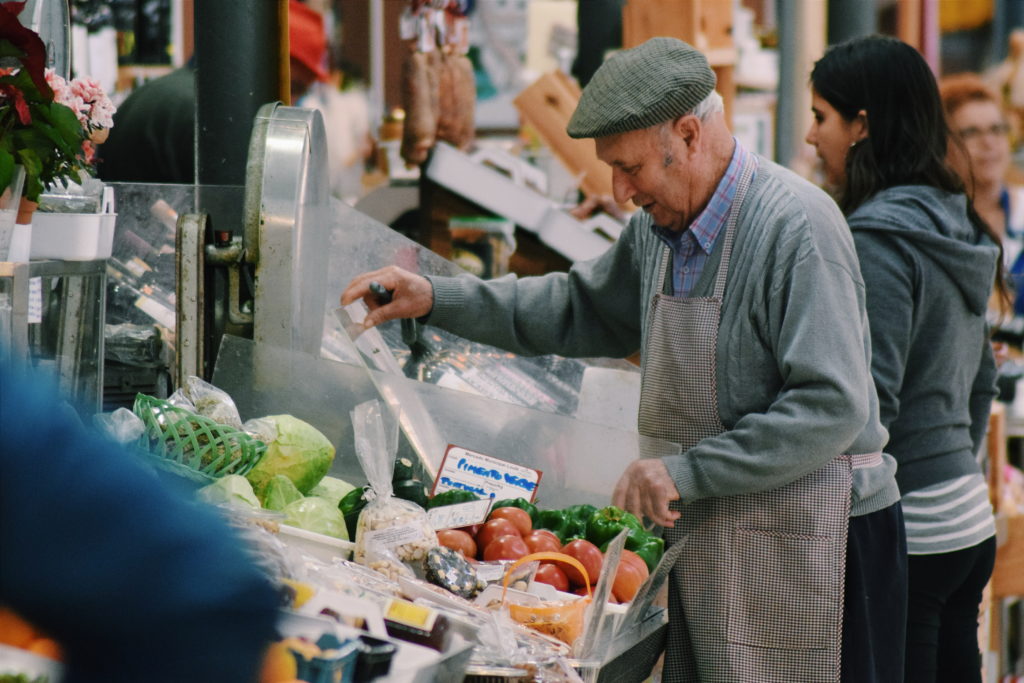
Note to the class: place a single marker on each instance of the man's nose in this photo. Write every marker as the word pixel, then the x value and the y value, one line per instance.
pixel 622 188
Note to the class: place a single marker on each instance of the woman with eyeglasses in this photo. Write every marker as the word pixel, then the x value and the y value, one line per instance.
pixel 928 262
pixel 981 155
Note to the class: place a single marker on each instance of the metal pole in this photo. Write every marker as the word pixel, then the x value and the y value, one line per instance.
pixel 240 47
pixel 801 42
pixel 785 107
pixel 850 19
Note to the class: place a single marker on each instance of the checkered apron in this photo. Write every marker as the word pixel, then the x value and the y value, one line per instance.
pixel 757 594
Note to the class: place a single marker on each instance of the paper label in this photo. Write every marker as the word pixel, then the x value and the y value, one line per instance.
pixel 490 572
pixel 459 515
pixel 395 536
pixel 485 476
pixel 410 614
pixel 35 300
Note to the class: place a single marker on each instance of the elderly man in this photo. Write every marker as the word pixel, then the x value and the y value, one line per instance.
pixel 739 283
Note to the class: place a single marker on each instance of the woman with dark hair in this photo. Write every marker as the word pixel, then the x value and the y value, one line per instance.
pixel 928 263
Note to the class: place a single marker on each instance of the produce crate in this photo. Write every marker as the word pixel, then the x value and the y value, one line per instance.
pixel 194 442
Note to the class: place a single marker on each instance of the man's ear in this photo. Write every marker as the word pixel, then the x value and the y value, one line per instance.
pixel 860 126
pixel 688 128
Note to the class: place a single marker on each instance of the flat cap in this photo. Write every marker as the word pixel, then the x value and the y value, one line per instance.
pixel 637 88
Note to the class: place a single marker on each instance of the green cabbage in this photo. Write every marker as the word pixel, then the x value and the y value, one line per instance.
pixel 299 452
pixel 231 488
pixel 318 515
pixel 278 492
pixel 331 489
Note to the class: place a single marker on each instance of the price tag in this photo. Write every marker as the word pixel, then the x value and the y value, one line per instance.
pixel 35 300
pixel 394 536
pixel 459 514
pixel 485 476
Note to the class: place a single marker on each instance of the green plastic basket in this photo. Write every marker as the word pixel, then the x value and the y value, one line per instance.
pixel 189 440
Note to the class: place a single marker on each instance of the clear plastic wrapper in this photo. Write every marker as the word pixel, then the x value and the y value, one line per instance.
pixel 135 345
pixel 353 579
pixel 258 532
pixel 392 535
pixel 212 402
pixel 67 196
pixel 121 425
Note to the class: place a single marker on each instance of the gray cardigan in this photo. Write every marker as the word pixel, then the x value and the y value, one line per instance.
pixel 794 387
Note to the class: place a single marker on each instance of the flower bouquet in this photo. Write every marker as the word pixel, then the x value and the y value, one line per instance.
pixel 47 125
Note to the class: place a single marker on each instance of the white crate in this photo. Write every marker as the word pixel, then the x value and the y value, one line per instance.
pixel 72 236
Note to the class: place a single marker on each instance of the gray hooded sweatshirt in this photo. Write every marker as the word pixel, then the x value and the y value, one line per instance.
pixel 928 274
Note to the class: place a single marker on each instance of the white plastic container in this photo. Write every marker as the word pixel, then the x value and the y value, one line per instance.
pixel 75 236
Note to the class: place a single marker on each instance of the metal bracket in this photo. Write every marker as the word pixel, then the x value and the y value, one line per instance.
pixel 189 292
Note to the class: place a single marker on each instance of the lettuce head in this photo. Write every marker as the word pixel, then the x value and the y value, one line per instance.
pixel 317 515
pixel 278 492
pixel 231 488
pixel 299 451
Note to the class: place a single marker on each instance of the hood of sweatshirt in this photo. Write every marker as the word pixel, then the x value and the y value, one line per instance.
pixel 936 222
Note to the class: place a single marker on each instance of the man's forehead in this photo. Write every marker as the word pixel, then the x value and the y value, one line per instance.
pixel 623 149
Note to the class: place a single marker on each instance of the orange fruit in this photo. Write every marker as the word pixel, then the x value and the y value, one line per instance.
pixel 45 647
pixel 278 664
pixel 14 630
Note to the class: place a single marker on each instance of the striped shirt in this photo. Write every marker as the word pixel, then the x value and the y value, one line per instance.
pixel 691 247
pixel 948 516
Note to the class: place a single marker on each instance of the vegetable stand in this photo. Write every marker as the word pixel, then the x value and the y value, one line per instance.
pixel 521 411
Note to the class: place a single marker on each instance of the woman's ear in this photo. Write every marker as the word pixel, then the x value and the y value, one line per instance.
pixel 860 126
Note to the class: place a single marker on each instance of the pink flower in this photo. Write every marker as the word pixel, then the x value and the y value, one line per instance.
pixel 85 97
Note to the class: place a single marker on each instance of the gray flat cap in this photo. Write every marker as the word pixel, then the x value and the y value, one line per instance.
pixel 640 87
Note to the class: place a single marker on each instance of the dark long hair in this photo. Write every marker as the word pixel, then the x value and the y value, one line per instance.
pixel 907 129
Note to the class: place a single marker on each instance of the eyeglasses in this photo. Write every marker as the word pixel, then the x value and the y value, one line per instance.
pixel 995 130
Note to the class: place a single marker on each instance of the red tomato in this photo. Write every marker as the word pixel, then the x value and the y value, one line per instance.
pixel 492 529
pixel 518 516
pixel 581 590
pixel 457 540
pixel 507 547
pixel 636 561
pixel 589 555
pixel 539 542
pixel 471 530
pixel 552 575
pixel 627 581
pixel 551 534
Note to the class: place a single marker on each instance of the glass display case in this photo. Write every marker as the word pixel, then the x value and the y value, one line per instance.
pixel 51 316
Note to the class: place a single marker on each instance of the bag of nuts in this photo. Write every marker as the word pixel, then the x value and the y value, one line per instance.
pixel 392 535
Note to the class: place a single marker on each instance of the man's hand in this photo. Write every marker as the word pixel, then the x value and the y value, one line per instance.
pixel 646 489
pixel 412 296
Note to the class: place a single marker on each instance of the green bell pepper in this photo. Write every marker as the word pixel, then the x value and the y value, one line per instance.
pixel 581 512
pixel 578 516
pixel 606 523
pixel 350 505
pixel 452 497
pixel 554 521
pixel 521 503
pixel 651 551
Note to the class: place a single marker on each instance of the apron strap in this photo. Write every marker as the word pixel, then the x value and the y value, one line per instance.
pixel 862 461
pixel 730 229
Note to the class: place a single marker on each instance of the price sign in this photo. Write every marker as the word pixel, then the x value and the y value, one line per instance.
pixel 459 514
pixel 485 476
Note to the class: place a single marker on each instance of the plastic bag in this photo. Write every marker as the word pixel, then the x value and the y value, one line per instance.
pixel 122 425
pixel 561 619
pixel 392 535
pixel 211 402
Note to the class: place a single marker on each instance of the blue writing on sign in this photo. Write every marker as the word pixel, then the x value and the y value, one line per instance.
pixel 524 484
pixel 465 487
pixel 478 470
